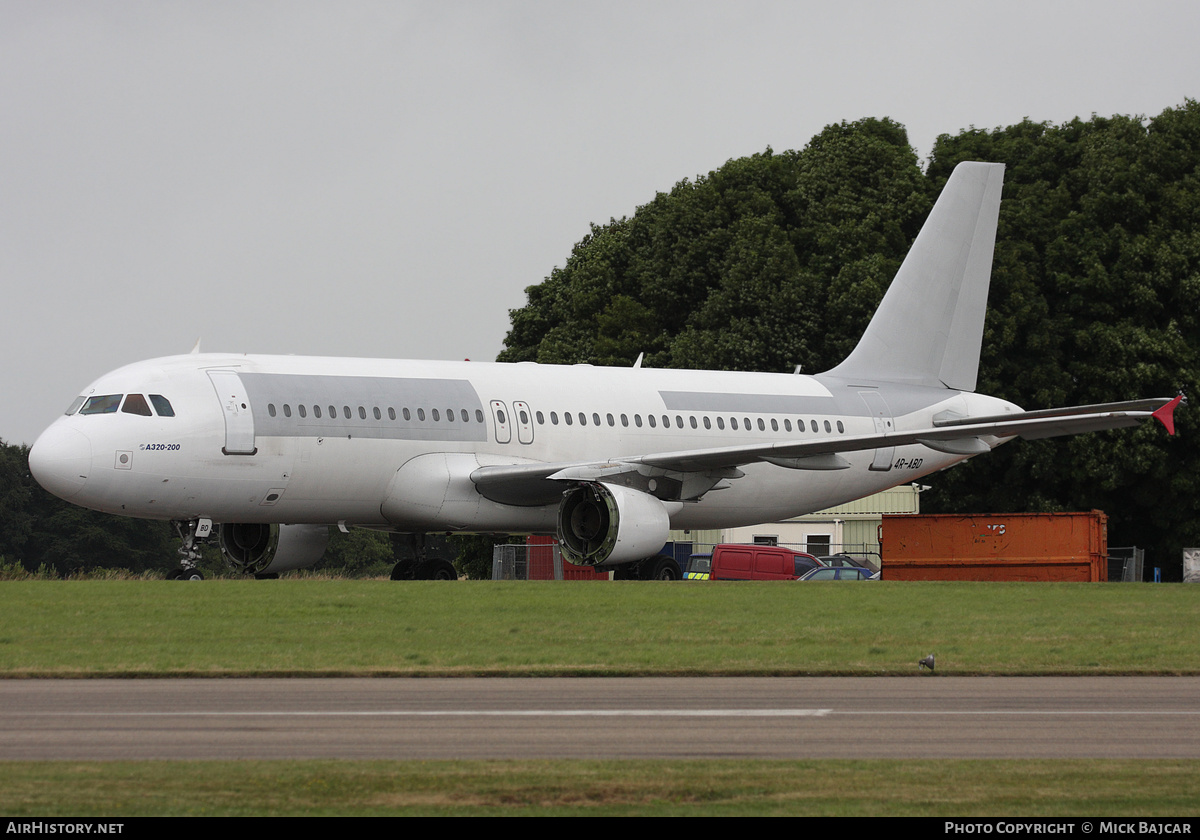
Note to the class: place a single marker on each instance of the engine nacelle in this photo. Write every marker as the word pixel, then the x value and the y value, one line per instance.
pixel 606 524
pixel 257 549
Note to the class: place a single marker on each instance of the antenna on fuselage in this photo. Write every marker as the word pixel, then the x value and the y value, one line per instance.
pixel 195 348
pixel 638 363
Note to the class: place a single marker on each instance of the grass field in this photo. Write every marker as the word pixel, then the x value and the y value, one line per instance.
pixel 602 788
pixel 371 628
pixel 349 628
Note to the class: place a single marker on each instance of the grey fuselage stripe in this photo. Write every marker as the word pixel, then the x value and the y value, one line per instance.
pixel 368 392
pixel 753 403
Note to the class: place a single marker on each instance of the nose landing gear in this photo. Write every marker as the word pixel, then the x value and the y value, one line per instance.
pixel 192 532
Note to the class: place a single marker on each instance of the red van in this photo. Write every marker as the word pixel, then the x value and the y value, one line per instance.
pixel 759 562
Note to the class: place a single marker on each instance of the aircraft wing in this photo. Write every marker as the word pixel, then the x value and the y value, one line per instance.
pixel 540 483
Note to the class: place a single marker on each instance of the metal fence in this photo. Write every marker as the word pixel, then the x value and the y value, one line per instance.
pixel 538 562
pixel 1125 564
pixel 545 562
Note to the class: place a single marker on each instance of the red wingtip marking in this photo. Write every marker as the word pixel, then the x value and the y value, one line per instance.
pixel 1166 414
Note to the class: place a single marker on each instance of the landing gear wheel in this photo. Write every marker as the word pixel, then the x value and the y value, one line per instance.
pixel 626 572
pixel 661 568
pixel 404 570
pixel 174 574
pixel 190 574
pixel 442 570
pixel 267 576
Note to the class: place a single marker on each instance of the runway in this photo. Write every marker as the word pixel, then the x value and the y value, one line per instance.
pixel 910 717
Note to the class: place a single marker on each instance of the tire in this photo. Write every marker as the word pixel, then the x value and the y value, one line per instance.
pixel 442 570
pixel 190 574
pixel 662 568
pixel 404 570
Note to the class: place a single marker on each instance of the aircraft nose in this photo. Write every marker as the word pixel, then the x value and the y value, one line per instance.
pixel 61 459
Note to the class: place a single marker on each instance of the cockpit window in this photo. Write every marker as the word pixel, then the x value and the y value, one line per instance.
pixel 136 404
pixel 74 406
pixel 162 405
pixel 106 404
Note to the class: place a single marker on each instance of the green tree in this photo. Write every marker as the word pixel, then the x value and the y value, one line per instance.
pixel 1094 298
pixel 781 258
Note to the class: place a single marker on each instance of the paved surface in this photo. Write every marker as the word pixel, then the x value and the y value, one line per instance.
pixel 912 717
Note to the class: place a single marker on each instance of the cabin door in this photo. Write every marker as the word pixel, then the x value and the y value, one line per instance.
pixel 882 416
pixel 235 406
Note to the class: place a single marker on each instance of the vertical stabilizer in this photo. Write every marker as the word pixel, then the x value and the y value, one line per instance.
pixel 929 326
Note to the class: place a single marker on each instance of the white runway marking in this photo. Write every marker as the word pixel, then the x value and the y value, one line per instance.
pixel 629 713
pixel 469 713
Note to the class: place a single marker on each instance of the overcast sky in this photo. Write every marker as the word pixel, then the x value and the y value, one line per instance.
pixel 385 178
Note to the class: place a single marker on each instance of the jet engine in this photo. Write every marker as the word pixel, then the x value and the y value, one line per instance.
pixel 606 524
pixel 266 549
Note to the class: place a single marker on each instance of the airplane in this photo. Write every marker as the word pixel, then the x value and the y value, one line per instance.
pixel 267 453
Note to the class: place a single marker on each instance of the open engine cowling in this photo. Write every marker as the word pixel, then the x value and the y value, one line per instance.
pixel 606 524
pixel 257 549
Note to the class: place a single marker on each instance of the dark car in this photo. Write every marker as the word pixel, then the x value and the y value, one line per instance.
pixel 838 573
pixel 843 560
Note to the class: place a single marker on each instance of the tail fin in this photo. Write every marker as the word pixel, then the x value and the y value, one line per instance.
pixel 929 325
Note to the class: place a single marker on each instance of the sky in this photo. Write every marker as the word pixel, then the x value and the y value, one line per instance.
pixel 384 179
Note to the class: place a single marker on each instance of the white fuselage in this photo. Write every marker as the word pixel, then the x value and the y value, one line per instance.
pixel 252 438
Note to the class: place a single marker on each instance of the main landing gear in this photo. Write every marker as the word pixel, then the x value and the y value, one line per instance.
pixel 658 567
pixel 419 567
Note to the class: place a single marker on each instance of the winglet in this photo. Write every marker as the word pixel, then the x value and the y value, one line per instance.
pixel 1166 414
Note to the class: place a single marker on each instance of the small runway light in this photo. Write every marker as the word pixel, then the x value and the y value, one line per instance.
pixel 927 662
